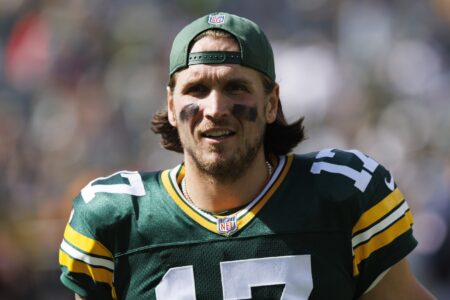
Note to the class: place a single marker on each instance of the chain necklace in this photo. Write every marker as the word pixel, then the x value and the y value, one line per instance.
pixel 269 169
pixel 189 199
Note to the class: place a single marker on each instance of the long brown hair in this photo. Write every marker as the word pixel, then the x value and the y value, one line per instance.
pixel 280 136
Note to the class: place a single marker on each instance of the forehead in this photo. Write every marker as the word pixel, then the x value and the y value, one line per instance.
pixel 218 73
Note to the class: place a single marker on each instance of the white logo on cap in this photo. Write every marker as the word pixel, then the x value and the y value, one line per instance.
pixel 216 19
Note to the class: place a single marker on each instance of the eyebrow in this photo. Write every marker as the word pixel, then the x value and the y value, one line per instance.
pixel 224 81
pixel 244 81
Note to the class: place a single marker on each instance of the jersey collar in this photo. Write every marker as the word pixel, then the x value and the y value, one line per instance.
pixel 228 224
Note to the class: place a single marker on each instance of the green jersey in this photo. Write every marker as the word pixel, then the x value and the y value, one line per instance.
pixel 325 226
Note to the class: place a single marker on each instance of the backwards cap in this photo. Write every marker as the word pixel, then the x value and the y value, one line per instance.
pixel 255 53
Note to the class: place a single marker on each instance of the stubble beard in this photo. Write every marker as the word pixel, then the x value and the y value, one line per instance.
pixel 225 168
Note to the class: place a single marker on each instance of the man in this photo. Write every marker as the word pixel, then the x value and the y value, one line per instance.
pixel 240 218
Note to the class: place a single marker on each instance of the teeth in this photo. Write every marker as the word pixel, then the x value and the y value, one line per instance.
pixel 218 133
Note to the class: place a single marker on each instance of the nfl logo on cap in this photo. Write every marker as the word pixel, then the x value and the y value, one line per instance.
pixel 216 19
pixel 227 225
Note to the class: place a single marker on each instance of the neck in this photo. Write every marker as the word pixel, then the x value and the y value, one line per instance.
pixel 211 194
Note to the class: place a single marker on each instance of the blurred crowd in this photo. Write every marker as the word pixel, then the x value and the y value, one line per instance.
pixel 80 80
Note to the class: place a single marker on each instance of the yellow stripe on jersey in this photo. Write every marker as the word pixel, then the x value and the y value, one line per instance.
pixel 85 243
pixel 211 224
pixel 378 211
pixel 77 266
pixel 165 176
pixel 363 251
pixel 97 274
pixel 252 213
pixel 180 174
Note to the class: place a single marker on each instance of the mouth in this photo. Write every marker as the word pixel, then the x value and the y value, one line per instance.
pixel 218 134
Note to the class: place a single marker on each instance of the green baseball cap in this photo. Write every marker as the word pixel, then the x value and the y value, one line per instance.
pixel 255 53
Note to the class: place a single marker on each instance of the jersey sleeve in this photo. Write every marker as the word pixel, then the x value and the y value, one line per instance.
pixel 382 234
pixel 87 265
pixel 86 255
pixel 376 216
pixel 98 230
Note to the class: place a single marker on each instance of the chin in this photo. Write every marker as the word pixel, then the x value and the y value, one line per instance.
pixel 223 168
pixel 224 164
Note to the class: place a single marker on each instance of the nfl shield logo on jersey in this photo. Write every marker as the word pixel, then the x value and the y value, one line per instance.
pixel 216 19
pixel 227 225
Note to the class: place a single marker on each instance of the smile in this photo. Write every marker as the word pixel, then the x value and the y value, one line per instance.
pixel 219 133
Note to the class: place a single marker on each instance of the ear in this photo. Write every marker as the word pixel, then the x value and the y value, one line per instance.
pixel 272 105
pixel 170 108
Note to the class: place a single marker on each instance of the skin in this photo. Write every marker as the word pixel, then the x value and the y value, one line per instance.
pixel 210 98
pixel 231 169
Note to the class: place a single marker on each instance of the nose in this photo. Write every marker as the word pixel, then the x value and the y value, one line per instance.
pixel 216 105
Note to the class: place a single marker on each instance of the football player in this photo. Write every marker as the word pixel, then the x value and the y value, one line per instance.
pixel 242 217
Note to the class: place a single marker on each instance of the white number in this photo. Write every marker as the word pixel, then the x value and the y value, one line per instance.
pixel 177 283
pixel 361 178
pixel 135 188
pixel 239 276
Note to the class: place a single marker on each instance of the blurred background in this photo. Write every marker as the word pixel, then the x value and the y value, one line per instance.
pixel 80 80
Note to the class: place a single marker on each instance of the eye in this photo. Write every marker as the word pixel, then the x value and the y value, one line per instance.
pixel 236 88
pixel 197 90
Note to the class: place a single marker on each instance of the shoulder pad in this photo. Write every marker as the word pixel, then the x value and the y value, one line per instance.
pixel 122 182
pixel 344 169
pixel 106 200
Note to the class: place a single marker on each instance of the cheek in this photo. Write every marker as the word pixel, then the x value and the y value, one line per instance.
pixel 188 112
pixel 248 113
